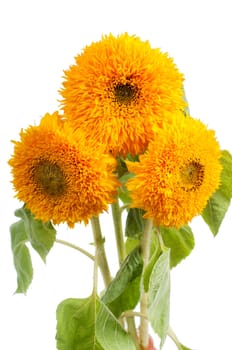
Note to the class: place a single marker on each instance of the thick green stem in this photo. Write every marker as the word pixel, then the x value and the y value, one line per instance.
pixel 100 249
pixel 116 213
pixel 70 245
pixel 145 251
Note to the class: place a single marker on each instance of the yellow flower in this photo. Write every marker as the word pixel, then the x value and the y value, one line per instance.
pixel 118 88
pixel 179 172
pixel 59 176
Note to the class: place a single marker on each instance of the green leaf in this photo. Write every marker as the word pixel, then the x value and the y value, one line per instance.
pixel 76 322
pixel 156 251
pixel 215 211
pixel 182 347
pixel 88 324
pixel 123 192
pixel 21 256
pixel 41 235
pixel 226 175
pixel 218 204
pixel 181 241
pixel 110 333
pixel 159 296
pixel 124 291
pixel 131 244
pixel 134 223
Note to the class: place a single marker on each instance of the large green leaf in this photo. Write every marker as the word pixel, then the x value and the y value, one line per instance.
pixel 21 256
pixel 76 322
pixel 109 332
pixel 87 324
pixel 215 211
pixel 41 235
pixel 159 296
pixel 181 241
pixel 124 291
pixel 134 223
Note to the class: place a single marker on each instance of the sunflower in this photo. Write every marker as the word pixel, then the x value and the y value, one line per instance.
pixel 179 172
pixel 117 89
pixel 60 177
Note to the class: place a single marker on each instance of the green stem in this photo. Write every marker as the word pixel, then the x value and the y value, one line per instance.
pixel 95 273
pixel 117 219
pixel 131 313
pixel 68 244
pixel 145 251
pixel 160 238
pixel 100 249
pixel 116 213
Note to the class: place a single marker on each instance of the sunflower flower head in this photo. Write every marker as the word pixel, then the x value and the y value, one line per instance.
pixel 118 88
pixel 61 177
pixel 177 175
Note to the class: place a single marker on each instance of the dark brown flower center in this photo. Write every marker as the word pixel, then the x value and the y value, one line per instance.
pixel 50 178
pixel 125 93
pixel 192 175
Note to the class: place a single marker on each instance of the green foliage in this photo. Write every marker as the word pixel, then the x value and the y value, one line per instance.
pixel 182 347
pixel 134 223
pixel 109 332
pixel 124 291
pixel 76 327
pixel 215 211
pixel 155 253
pixel 181 241
pixel 40 235
pixel 123 192
pixel 159 296
pixel 218 204
pixel 88 324
pixel 21 256
pixel 226 176
pixel 131 243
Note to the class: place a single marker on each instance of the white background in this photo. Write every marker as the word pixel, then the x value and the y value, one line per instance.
pixel 38 41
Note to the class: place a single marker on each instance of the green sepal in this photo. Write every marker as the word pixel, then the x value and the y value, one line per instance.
pixel 21 257
pixel 180 241
pixel 159 296
pixel 88 324
pixel 123 292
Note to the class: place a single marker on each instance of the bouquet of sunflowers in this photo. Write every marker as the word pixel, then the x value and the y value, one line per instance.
pixel 122 138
